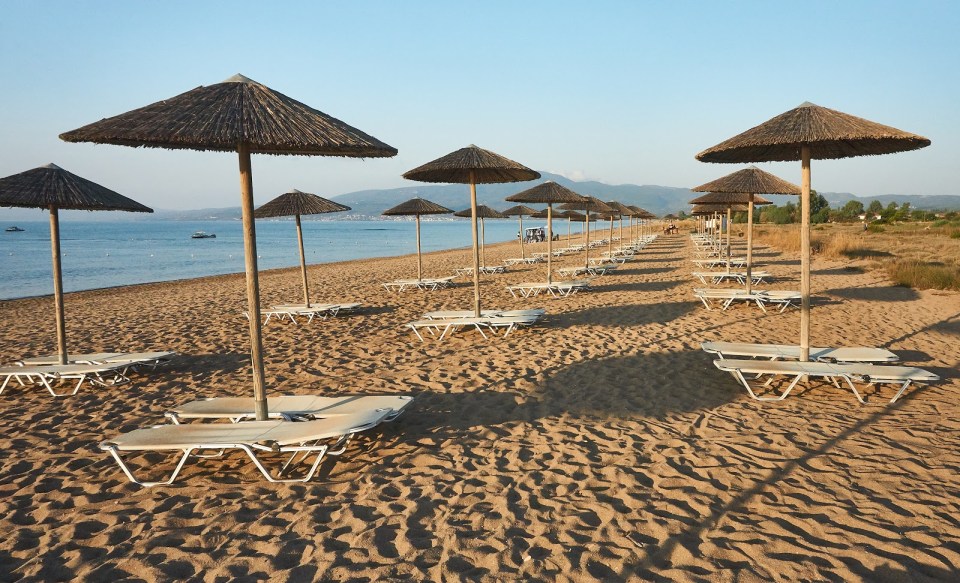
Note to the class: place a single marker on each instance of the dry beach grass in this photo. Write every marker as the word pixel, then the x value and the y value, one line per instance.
pixel 602 445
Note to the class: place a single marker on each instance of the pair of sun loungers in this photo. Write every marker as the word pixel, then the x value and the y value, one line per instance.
pixel 292 311
pixel 713 262
pixel 740 277
pixel 444 323
pixel 486 269
pixel 848 365
pixel 555 289
pixel 304 426
pixel 782 299
pixel 595 270
pixel 518 260
pixel 427 283
pixel 101 369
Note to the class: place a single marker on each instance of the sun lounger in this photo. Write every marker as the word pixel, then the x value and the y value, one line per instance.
pixel 848 372
pixel 555 289
pixel 254 438
pixel 430 284
pixel 132 359
pixel 442 314
pixel 711 263
pixel 443 327
pixel 792 352
pixel 519 260
pixel 321 311
pixel 592 269
pixel 488 269
pixel 716 277
pixel 726 296
pixel 45 375
pixel 291 407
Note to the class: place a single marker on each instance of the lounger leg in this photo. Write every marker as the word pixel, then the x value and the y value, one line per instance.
pixel 321 453
pixel 900 392
pixel 854 388
pixel 129 474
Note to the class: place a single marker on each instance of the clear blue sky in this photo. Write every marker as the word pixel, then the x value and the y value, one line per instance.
pixel 621 92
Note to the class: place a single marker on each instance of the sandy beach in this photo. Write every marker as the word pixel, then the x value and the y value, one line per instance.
pixel 600 445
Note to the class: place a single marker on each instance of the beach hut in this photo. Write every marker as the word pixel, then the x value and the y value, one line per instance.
pixel 53 188
pixel 417 207
pixel 472 165
pixel 810 132
pixel 483 212
pixel 547 193
pixel 243 116
pixel 520 211
pixel 296 203
pixel 746 184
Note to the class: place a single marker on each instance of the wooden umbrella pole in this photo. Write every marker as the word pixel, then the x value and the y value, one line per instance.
pixel 549 242
pixel 569 220
pixel 586 255
pixel 303 264
pixel 522 255
pixel 58 284
pixel 729 224
pixel 419 259
pixel 805 253
pixel 750 243
pixel 476 245
pixel 621 232
pixel 253 283
pixel 483 243
pixel 610 239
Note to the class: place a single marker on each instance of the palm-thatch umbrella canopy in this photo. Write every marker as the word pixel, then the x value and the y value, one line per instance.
pixel 417 207
pixel 548 193
pixel 641 215
pixel 243 116
pixel 472 165
pixel 746 185
pixel 587 205
pixel 53 188
pixel 520 211
pixel 806 133
pixel 483 212
pixel 296 203
pixel 622 210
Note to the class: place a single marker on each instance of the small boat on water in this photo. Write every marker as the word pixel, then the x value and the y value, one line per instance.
pixel 203 235
pixel 14 229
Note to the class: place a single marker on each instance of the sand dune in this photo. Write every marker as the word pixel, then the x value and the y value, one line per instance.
pixel 601 445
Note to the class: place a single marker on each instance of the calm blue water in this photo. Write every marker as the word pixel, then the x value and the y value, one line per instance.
pixel 105 254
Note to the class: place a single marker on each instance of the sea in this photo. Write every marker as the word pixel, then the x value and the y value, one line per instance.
pixel 101 254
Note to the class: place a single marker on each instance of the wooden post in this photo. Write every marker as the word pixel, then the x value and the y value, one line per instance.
pixel 750 243
pixel 621 232
pixel 805 253
pixel 58 284
pixel 522 255
pixel 549 242
pixel 476 245
pixel 483 243
pixel 729 224
pixel 419 259
pixel 303 264
pixel 253 283
pixel 610 238
pixel 586 256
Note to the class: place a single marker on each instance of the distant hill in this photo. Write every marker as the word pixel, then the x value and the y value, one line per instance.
pixel 659 200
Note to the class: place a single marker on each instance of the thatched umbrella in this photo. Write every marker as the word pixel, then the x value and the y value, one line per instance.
pixel 729 200
pixel 623 211
pixel 588 204
pixel 243 116
pixel 53 188
pixel 748 183
pixel 547 193
pixel 416 207
pixel 519 211
pixel 483 212
pixel 473 165
pixel 806 133
pixel 571 216
pixel 296 203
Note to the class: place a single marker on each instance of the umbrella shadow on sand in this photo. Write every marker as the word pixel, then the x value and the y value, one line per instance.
pixel 627 315
pixel 619 387
pixel 640 286
pixel 876 294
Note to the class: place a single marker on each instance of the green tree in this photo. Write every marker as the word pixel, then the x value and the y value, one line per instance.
pixel 889 213
pixel 875 208
pixel 853 209
pixel 903 214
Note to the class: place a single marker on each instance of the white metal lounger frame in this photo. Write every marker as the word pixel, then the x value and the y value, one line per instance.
pixel 556 289
pixel 93 374
pixel 831 376
pixel 303 449
pixel 176 417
